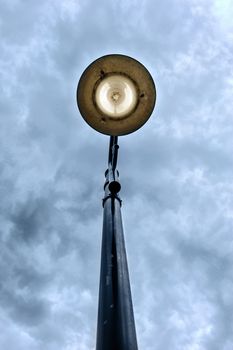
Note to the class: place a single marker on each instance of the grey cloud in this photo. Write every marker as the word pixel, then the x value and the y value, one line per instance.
pixel 29 218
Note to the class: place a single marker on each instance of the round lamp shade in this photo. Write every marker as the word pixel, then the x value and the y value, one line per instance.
pixel 116 95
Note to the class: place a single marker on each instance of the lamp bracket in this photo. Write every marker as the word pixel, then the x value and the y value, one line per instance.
pixel 112 174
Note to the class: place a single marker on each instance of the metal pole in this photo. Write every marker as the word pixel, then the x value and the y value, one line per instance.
pixel 116 327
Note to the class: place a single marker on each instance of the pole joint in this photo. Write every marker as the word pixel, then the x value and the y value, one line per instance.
pixel 112 196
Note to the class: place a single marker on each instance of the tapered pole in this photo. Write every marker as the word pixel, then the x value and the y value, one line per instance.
pixel 116 327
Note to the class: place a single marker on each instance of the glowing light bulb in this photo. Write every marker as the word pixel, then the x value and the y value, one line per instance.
pixel 116 95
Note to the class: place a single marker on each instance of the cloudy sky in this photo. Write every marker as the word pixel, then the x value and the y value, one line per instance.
pixel 176 173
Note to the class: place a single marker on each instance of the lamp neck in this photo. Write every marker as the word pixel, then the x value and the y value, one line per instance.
pixel 112 184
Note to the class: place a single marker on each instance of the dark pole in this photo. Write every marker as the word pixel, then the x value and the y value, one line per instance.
pixel 116 327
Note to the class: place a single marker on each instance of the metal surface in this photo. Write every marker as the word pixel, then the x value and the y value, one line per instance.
pixel 116 327
pixel 111 173
pixel 102 68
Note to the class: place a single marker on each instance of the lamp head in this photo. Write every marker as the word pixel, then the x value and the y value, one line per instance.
pixel 116 95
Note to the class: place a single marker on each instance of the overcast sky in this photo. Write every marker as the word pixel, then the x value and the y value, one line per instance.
pixel 176 173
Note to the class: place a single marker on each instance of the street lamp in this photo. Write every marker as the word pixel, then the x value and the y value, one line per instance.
pixel 116 96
